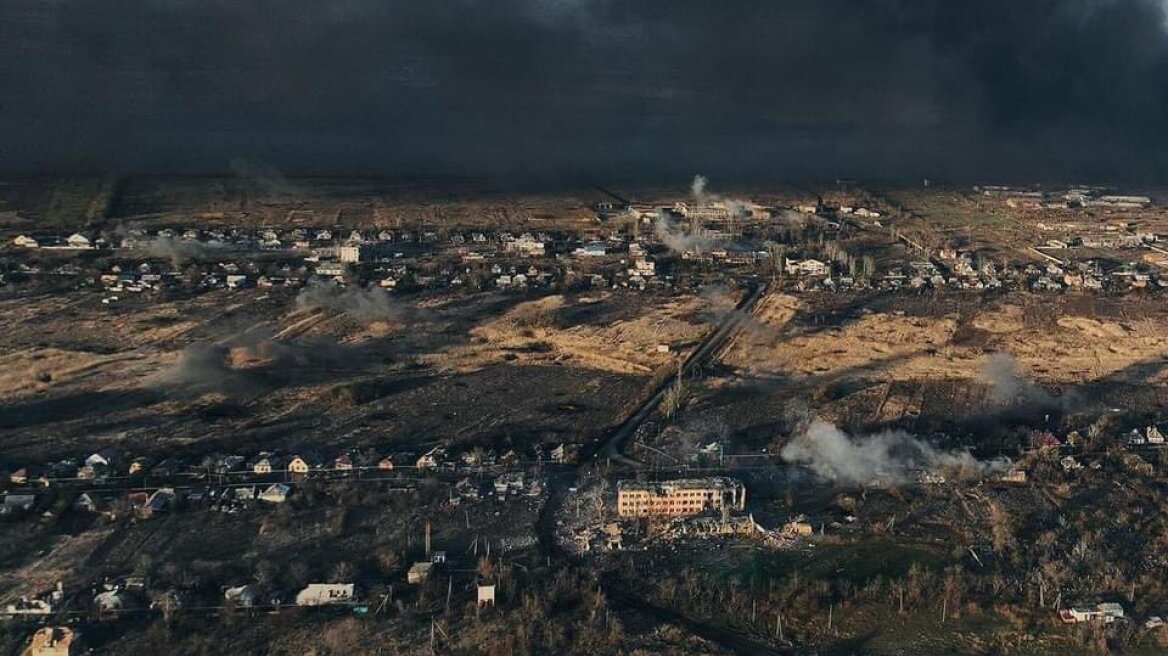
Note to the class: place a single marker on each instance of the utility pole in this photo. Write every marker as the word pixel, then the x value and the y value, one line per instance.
pixel 449 589
pixel 779 626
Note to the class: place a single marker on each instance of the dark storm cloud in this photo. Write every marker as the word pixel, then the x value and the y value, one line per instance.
pixel 570 88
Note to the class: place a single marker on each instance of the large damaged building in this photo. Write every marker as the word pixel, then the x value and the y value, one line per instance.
pixel 679 498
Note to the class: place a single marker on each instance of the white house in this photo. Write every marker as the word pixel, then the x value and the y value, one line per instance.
pixel 323 594
pixel 276 493
pixel 1106 613
pixel 806 268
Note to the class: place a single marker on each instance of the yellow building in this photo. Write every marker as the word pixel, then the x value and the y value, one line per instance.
pixel 53 641
pixel 679 498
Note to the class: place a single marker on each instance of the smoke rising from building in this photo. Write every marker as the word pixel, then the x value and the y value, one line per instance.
pixel 890 456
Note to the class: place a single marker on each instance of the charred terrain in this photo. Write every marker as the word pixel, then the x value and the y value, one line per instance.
pixel 259 415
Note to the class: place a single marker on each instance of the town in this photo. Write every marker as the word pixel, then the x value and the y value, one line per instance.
pixel 762 420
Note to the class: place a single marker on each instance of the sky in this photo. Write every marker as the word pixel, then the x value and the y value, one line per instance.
pixel 606 90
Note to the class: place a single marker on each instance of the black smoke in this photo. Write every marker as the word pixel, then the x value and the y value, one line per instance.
pixel 573 89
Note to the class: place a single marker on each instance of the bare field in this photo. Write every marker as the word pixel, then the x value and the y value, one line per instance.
pixel 590 332
pixel 1052 342
pixel 474 370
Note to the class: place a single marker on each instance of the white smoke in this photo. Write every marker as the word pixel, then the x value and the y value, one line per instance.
pixel 698 186
pixel 891 456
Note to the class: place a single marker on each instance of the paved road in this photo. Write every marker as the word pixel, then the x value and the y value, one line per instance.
pixel 614 447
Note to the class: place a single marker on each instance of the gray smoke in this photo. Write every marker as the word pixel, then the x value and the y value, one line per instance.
pixel 679 239
pixel 203 368
pixel 363 304
pixel 718 303
pixel 1008 387
pixel 891 456
pixel 181 251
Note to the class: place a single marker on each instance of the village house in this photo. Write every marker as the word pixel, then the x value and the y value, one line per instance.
pixel 106 459
pixel 303 464
pixel 323 594
pixel 797 527
pixel 565 454
pixel 229 464
pixel 96 504
pixel 54 641
pixel 24 241
pixel 592 249
pixel 17 503
pixel 419 572
pixel 244 596
pixel 1105 613
pixel 28 607
pixel 78 241
pixel 135 501
pixel 276 493
pixel 435 457
pixel 112 601
pixel 486 594
pixel 161 500
pixel 1014 475
pixel 267 463
pixel 805 268
pixel 526 245
pixel 23 475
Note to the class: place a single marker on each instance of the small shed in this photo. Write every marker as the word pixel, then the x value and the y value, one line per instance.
pixel 486 595
pixel 419 572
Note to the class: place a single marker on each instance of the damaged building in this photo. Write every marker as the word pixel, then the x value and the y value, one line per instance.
pixel 679 498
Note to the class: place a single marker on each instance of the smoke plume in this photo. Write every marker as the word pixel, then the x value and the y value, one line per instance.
pixel 203 369
pixel 698 187
pixel 363 304
pixel 679 240
pixel 181 251
pixel 1008 387
pixel 890 456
